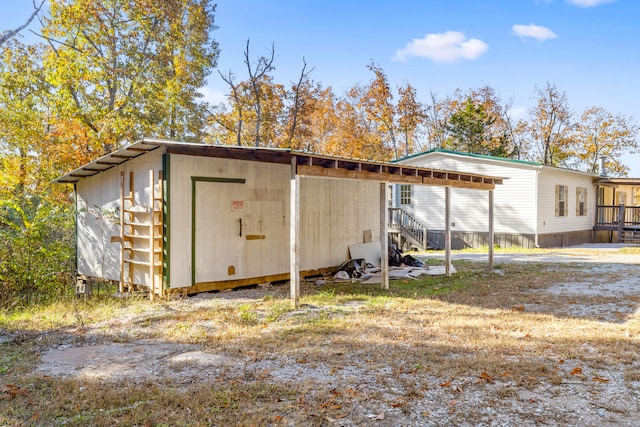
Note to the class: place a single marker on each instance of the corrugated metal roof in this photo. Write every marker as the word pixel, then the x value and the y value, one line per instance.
pixel 110 160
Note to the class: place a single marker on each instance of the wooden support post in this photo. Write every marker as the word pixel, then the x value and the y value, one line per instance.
pixel 384 235
pixel 491 229
pixel 294 235
pixel 159 199
pixel 152 196
pixel 131 189
pixel 447 230
pixel 122 205
pixel 621 222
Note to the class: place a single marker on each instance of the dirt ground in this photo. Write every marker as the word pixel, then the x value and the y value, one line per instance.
pixel 616 402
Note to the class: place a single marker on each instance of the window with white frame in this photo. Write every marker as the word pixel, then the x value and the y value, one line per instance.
pixel 405 194
pixel 581 201
pixel 562 195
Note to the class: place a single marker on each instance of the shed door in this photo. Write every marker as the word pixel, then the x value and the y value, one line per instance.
pixel 218 234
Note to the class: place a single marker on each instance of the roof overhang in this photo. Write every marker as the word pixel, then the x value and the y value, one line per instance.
pixel 303 163
pixel 615 182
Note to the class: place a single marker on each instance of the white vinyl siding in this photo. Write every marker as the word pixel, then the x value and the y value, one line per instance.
pixel 517 207
pixel 514 200
pixel 548 220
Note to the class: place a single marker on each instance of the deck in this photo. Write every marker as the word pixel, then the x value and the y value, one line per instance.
pixel 625 220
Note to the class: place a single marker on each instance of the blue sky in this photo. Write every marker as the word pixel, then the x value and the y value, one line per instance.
pixel 589 49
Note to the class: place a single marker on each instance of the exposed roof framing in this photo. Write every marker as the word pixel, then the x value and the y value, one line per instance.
pixel 614 182
pixel 306 164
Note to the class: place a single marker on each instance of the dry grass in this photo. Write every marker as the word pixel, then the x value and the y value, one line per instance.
pixel 477 348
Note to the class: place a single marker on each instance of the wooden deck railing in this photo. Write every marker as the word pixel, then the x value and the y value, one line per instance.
pixel 614 217
pixel 409 225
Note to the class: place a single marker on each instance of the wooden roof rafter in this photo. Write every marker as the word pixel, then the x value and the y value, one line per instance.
pixel 306 164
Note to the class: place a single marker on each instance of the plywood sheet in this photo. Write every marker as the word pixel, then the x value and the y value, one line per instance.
pixel 371 252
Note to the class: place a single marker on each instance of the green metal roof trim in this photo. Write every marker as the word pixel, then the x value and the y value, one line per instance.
pixel 460 153
pixel 498 159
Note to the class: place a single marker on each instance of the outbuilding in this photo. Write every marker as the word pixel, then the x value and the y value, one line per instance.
pixel 175 216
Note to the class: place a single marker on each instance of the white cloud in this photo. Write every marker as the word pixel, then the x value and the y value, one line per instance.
pixel 212 96
pixel 517 113
pixel 589 3
pixel 534 31
pixel 449 46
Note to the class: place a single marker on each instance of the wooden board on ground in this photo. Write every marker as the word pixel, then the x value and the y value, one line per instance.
pixel 371 252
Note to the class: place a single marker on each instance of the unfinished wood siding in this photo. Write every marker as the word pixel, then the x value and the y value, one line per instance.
pixel 548 221
pixel 334 213
pixel 183 169
pixel 98 216
pixel 514 200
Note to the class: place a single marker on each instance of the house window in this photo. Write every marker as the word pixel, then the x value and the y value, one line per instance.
pixel 581 201
pixel 405 194
pixel 390 195
pixel 621 198
pixel 562 195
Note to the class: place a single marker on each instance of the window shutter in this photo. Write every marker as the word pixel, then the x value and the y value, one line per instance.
pixel 566 200
pixel 557 200
pixel 585 192
pixel 578 192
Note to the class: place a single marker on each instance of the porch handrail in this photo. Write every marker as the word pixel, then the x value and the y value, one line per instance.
pixel 615 216
pixel 400 219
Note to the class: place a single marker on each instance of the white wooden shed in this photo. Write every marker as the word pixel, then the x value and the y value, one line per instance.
pixel 170 215
pixel 537 206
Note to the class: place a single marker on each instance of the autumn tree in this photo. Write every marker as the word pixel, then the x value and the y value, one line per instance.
pixel 411 117
pixel 319 123
pixel 551 126
pixel 478 122
pixel 35 219
pixel 377 102
pixel 436 121
pixel 106 73
pixel 128 68
pixel 469 128
pixel 600 133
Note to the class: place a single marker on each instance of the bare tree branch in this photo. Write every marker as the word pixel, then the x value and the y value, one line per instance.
pixel 229 79
pixel 296 102
pixel 262 67
pixel 12 33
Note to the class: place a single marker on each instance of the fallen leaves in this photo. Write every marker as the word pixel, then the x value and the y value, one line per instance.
pixel 9 391
pixel 576 371
pixel 487 377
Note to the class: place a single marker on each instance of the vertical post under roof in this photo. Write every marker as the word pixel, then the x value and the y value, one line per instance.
pixel 122 204
pixel 152 195
pixel 447 230
pixel 491 229
pixel 384 235
pixel 294 235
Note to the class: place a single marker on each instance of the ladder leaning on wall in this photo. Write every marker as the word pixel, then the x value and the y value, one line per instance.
pixel 141 237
